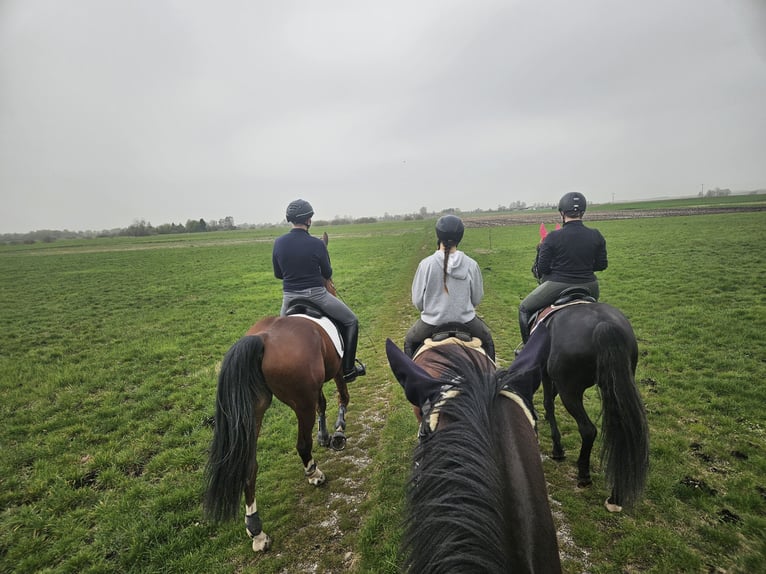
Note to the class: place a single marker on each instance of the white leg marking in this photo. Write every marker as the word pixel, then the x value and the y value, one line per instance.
pixel 262 542
pixel 314 475
pixel 612 507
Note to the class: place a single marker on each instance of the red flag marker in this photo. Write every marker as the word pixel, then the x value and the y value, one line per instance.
pixel 543 231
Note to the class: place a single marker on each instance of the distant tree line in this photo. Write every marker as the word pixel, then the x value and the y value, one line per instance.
pixel 143 228
pixel 717 192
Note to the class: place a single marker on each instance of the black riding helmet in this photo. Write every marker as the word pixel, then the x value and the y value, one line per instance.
pixel 572 203
pixel 299 211
pixel 450 228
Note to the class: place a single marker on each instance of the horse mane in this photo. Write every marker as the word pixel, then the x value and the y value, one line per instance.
pixel 445 532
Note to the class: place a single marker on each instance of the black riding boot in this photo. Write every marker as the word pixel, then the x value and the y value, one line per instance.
pixel 524 317
pixel 350 369
pixel 489 348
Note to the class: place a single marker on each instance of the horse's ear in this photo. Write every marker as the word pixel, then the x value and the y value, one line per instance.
pixel 413 379
pixel 325 238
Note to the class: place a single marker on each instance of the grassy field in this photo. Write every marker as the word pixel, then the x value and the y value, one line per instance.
pixel 108 357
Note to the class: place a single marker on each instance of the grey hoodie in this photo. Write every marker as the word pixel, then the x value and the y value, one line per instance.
pixel 464 282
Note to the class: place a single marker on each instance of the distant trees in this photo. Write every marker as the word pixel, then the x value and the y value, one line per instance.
pixel 717 192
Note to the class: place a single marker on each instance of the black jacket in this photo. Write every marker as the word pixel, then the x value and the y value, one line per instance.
pixel 572 254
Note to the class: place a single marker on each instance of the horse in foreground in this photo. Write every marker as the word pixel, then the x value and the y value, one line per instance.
pixel 477 499
pixel 594 344
pixel 289 357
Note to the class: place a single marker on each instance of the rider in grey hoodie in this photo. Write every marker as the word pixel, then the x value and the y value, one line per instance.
pixel 447 288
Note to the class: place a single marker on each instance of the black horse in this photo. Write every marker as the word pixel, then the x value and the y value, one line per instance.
pixel 477 499
pixel 594 344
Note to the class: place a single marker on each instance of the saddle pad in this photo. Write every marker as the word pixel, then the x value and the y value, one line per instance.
pixel 330 329
pixel 517 398
pixel 474 343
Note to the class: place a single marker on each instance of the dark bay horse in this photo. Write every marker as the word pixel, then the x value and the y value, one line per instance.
pixel 288 357
pixel 477 499
pixel 594 344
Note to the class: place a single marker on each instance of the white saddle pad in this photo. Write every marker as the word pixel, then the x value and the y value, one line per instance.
pixel 330 329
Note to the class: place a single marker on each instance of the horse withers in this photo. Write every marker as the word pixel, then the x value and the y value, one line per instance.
pixel 290 357
pixel 477 499
pixel 594 344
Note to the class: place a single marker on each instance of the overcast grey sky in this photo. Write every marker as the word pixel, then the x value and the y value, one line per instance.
pixel 117 111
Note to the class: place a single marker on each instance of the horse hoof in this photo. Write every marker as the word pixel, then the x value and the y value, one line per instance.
pixel 316 478
pixel 338 441
pixel 323 440
pixel 612 507
pixel 261 542
pixel 584 482
pixel 558 456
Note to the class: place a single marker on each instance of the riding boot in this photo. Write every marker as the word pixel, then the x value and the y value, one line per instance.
pixel 524 317
pixel 489 348
pixel 350 369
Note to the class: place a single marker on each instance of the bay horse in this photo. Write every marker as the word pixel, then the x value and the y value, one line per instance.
pixel 477 499
pixel 594 344
pixel 290 357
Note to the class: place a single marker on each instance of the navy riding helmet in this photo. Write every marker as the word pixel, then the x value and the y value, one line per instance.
pixel 299 211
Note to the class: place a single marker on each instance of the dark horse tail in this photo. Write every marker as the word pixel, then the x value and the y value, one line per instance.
pixel 232 453
pixel 455 493
pixel 625 440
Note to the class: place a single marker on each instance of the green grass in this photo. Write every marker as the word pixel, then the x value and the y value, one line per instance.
pixel 108 357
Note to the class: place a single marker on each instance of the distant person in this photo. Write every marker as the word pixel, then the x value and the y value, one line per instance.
pixel 447 288
pixel 567 257
pixel 302 262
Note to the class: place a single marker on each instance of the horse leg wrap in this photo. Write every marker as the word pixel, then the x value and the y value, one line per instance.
pixel 253 524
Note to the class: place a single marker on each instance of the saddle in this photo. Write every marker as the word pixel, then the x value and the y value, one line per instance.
pixel 569 296
pixel 451 333
pixel 304 307
pixel 456 330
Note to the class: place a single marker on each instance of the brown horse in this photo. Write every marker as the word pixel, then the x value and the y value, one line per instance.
pixel 288 357
pixel 477 499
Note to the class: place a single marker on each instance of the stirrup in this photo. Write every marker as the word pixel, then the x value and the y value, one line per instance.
pixel 359 371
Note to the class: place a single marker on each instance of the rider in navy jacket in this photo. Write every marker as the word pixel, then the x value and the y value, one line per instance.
pixel 303 264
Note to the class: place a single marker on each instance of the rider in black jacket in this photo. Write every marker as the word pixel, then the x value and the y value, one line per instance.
pixel 566 258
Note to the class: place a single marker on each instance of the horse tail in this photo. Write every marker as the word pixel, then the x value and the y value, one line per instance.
pixel 455 493
pixel 624 428
pixel 232 453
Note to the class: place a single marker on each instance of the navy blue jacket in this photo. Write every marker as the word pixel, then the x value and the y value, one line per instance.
pixel 571 254
pixel 300 260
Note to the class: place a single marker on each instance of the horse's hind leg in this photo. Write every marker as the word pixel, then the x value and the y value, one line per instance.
pixel 339 436
pixel 549 403
pixel 323 437
pixel 253 524
pixel 575 407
